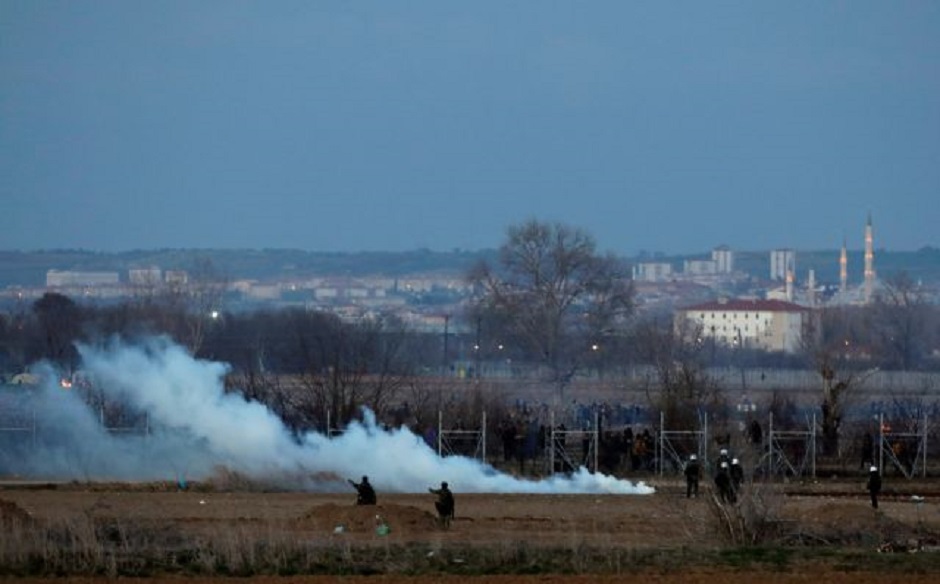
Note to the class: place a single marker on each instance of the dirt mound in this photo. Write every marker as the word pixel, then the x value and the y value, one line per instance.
pixel 365 519
pixel 12 514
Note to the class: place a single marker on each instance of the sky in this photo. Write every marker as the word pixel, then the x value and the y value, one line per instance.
pixel 392 126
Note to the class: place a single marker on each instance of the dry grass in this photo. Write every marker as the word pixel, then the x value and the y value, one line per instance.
pixel 110 535
pixel 755 519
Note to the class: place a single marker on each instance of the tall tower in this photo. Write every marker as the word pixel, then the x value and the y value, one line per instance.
pixel 781 262
pixel 869 261
pixel 724 259
pixel 811 288
pixel 843 270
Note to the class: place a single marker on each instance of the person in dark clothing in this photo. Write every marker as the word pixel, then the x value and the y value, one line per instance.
pixel 874 485
pixel 365 493
pixel 507 434
pixel 868 450
pixel 723 484
pixel 756 434
pixel 737 475
pixel 723 457
pixel 627 443
pixel 444 504
pixel 648 447
pixel 693 471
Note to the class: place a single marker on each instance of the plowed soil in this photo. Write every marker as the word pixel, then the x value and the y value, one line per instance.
pixel 811 515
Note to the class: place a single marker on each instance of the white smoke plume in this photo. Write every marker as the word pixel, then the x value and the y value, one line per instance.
pixel 196 428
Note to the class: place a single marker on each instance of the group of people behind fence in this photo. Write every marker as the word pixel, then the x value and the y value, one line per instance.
pixel 524 439
pixel 728 476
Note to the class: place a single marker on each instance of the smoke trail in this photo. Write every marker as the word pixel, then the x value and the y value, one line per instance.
pixel 197 427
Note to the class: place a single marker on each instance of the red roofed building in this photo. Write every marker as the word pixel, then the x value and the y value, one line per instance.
pixel 771 325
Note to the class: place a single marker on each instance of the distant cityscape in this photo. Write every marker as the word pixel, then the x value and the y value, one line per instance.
pixel 427 290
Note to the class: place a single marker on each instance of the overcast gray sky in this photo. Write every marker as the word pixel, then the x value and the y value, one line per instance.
pixel 348 126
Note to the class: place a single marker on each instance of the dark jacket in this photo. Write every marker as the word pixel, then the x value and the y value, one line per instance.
pixel 874 483
pixel 737 475
pixel 365 492
pixel 445 501
pixel 693 470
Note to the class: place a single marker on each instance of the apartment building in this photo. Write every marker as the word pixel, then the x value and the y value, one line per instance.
pixel 770 325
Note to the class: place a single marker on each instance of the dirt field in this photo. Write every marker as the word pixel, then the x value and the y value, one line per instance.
pixel 627 530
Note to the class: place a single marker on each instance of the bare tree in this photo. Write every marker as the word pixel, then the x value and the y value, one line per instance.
pixel 682 386
pixel 900 317
pixel 202 297
pixel 60 324
pixel 182 308
pixel 18 324
pixel 348 366
pixel 552 295
pixel 842 367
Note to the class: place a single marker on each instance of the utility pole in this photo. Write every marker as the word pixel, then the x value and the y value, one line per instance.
pixel 446 334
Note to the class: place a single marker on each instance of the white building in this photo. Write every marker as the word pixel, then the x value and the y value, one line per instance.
pixel 724 259
pixel 700 267
pixel 652 272
pixel 145 276
pixel 65 278
pixel 782 262
pixel 771 325
pixel 176 277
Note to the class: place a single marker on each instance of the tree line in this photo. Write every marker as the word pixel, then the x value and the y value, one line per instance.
pixel 549 302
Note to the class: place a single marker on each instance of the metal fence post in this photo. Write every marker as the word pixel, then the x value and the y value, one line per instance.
pixel 440 433
pixel 881 443
pixel 659 457
pixel 813 443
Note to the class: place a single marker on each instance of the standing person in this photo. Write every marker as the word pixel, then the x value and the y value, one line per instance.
pixel 693 471
pixel 723 484
pixel 507 433
pixel 868 450
pixel 737 475
pixel 648 449
pixel 365 493
pixel 627 443
pixel 444 504
pixel 874 485
pixel 756 434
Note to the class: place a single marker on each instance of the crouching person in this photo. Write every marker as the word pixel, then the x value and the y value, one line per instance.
pixel 444 504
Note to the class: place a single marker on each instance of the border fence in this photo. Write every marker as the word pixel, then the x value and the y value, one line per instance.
pixel 552 443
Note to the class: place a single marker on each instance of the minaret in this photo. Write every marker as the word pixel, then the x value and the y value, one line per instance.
pixel 869 261
pixel 843 271
pixel 811 288
pixel 789 286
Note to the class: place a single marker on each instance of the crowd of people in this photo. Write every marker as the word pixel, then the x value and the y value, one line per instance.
pixel 524 440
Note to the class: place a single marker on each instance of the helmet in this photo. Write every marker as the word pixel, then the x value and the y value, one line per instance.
pixel 365 479
pixel 873 469
pixel 692 457
pixel 724 465
pixel 734 461
pixel 444 485
pixel 724 452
